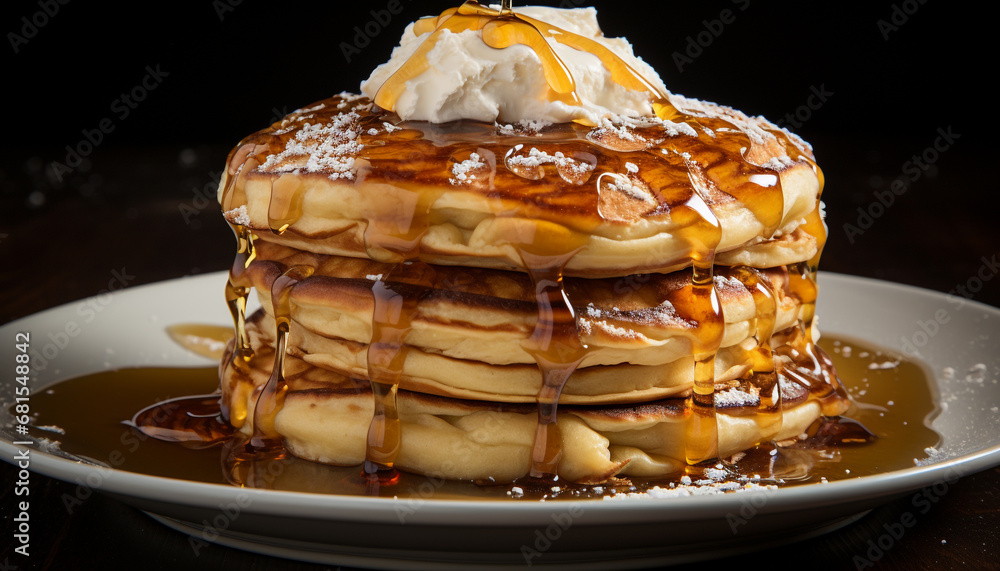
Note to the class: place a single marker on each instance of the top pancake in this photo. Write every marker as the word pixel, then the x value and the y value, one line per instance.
pixel 632 195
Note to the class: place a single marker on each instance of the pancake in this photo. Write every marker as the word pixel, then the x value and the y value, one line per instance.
pixel 624 290
pixel 434 373
pixel 345 178
pixel 325 418
pixel 468 327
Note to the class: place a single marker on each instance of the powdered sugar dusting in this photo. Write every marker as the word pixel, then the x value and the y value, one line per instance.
pixel 728 283
pixel 328 148
pixel 757 129
pixel 238 216
pixel 596 318
pixel 700 488
pixel 778 163
pixel 717 474
pixel 790 390
pixel 661 316
pixel 609 128
pixel 888 364
pixel 625 185
pixel 736 397
pixel 312 109
pixel 530 165
pixel 466 171
pixel 670 128
pixel 347 98
pixel 536 158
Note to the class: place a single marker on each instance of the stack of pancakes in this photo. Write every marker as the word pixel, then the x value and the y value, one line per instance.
pixel 490 279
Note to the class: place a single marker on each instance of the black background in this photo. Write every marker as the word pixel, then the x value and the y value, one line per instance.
pixel 231 67
pixel 138 202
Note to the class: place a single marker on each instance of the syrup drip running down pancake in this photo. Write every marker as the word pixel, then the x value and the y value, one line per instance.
pixel 509 268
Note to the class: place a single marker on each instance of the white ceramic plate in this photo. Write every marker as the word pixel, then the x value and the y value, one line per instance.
pixel 128 329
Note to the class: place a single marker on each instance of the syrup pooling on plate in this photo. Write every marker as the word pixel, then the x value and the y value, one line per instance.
pixel 195 421
pixel 897 403
pixel 205 340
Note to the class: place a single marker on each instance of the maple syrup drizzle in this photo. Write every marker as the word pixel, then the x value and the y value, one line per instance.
pixel 813 369
pixel 702 437
pixel 504 28
pixel 762 377
pixel 239 164
pixel 285 206
pixel 238 289
pixel 396 296
pixel 555 341
pixel 396 226
pixel 391 321
pixel 243 159
pixel 703 232
pixel 271 395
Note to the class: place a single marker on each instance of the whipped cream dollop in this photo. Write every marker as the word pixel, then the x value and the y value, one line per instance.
pixel 467 79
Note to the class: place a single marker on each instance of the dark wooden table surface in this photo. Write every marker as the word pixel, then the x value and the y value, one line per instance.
pixel 138 200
